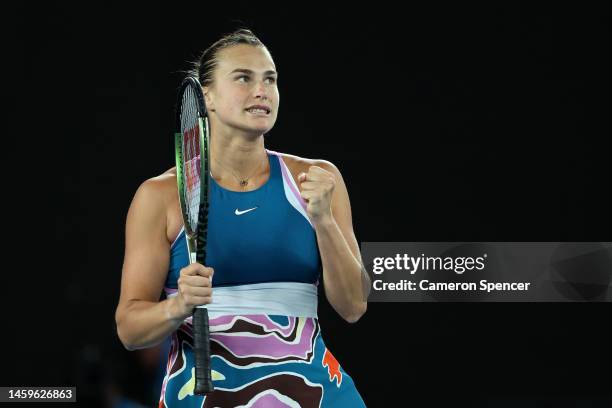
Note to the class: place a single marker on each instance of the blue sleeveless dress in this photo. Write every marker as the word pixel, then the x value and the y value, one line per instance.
pixel 266 343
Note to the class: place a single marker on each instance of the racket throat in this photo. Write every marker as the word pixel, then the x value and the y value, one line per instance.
pixel 192 249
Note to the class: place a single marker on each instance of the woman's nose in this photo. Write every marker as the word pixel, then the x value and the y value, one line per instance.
pixel 260 90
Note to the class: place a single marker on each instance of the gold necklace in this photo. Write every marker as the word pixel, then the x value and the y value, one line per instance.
pixel 242 181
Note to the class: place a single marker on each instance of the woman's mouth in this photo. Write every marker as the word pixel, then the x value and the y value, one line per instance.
pixel 258 110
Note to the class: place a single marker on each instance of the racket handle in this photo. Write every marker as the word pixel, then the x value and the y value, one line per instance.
pixel 201 348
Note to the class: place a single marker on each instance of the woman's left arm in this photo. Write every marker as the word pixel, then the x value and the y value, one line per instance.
pixel 345 281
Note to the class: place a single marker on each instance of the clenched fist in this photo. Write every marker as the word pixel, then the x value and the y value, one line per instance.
pixel 316 188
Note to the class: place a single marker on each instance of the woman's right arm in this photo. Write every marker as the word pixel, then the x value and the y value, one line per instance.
pixel 142 320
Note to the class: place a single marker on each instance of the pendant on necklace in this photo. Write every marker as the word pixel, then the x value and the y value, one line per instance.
pixel 243 183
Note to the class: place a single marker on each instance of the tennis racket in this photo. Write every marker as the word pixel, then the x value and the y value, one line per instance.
pixel 192 170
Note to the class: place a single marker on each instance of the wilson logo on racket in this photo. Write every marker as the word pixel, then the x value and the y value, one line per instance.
pixel 238 212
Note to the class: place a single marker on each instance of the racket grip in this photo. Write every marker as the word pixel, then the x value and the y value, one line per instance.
pixel 201 349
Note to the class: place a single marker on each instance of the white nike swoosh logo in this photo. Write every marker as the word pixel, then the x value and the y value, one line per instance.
pixel 238 212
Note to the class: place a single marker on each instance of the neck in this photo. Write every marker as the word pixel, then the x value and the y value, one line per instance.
pixel 238 152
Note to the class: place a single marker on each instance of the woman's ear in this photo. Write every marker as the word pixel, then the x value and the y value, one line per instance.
pixel 208 99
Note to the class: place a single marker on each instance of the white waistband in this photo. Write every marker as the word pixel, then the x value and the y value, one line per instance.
pixel 274 298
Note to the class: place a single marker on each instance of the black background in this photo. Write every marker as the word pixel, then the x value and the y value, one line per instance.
pixel 449 122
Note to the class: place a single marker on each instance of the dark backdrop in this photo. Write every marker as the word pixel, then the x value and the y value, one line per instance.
pixel 448 123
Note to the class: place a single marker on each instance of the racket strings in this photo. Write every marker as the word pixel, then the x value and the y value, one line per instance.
pixel 191 154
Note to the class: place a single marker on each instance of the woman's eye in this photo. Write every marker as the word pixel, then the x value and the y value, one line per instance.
pixel 245 78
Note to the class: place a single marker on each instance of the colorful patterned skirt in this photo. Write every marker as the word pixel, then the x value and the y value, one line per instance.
pixel 259 361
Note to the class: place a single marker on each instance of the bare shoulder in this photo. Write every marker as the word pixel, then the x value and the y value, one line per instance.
pixel 159 190
pixel 298 164
pixel 163 182
pixel 171 171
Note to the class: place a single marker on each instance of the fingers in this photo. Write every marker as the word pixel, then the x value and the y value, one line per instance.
pixel 314 173
pixel 316 184
pixel 197 280
pixel 195 285
pixel 309 185
pixel 196 275
pixel 315 179
pixel 195 291
pixel 191 300
pixel 191 296
pixel 198 269
pixel 308 194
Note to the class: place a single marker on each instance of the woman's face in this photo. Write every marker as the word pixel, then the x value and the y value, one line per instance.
pixel 244 79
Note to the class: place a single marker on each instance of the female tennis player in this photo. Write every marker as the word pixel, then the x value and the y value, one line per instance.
pixel 277 224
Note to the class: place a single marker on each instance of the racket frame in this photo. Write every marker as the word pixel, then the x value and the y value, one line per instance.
pixel 196 239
